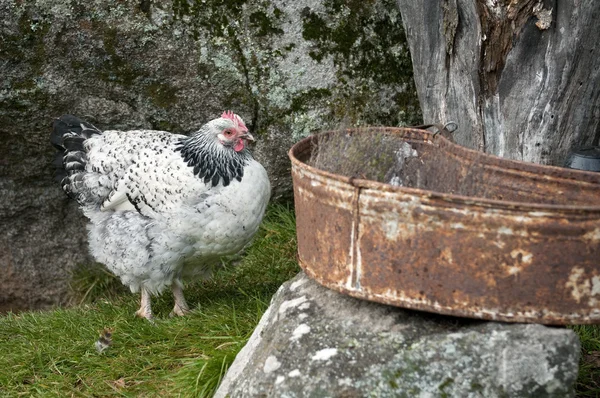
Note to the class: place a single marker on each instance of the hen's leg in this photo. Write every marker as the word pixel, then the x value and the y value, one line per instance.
pixel 145 310
pixel 181 308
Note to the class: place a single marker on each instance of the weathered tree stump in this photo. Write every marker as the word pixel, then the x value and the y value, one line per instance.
pixel 522 79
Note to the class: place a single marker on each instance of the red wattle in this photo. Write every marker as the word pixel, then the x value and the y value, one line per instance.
pixel 239 146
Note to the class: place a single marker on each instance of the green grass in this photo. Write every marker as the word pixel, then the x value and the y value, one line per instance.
pixel 53 354
pixel 588 382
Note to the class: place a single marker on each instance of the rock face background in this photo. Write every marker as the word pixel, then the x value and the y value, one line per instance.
pixel 288 68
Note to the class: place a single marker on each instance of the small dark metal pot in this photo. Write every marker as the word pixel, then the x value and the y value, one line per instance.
pixel 586 158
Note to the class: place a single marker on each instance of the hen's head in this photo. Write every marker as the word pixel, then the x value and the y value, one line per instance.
pixel 229 130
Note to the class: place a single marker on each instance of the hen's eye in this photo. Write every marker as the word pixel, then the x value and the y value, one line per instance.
pixel 228 133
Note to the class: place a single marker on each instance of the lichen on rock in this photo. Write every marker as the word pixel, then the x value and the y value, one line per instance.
pixel 357 348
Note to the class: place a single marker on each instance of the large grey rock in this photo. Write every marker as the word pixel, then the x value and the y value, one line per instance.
pixel 314 342
pixel 288 68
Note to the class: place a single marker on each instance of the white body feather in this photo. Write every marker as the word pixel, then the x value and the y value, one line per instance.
pixel 149 212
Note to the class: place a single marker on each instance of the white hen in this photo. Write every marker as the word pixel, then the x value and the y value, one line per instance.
pixel 155 199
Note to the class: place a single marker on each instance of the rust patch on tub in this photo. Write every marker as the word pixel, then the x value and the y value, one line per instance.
pixel 475 235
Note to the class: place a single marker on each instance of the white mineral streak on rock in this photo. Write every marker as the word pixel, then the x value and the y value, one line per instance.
pixel 295 373
pixel 297 284
pixel 291 304
pixel 271 364
pixel 324 354
pixel 300 331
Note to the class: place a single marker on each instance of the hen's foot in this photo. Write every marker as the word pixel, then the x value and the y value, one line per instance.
pixel 179 310
pixel 144 313
pixel 145 310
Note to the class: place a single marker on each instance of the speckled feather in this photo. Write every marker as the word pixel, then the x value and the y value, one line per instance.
pixel 155 199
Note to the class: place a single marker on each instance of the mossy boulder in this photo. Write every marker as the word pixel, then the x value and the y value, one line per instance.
pixel 315 342
pixel 288 68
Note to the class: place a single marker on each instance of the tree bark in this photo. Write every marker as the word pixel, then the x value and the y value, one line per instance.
pixel 521 78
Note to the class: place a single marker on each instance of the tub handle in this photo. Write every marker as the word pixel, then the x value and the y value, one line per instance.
pixel 445 130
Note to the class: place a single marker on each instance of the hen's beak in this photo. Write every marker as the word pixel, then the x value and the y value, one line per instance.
pixel 246 136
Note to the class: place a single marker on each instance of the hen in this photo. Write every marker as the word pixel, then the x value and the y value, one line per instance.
pixel 156 199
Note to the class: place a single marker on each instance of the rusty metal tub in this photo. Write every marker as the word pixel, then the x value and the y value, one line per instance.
pixel 521 243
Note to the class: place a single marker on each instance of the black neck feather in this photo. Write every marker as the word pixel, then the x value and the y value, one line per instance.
pixel 211 162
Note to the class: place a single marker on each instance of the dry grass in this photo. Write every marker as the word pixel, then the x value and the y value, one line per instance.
pixel 588 382
pixel 360 154
pixel 369 154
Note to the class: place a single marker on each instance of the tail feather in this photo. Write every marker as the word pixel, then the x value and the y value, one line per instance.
pixel 68 126
pixel 68 136
pixel 74 162
pixel 59 170
pixel 72 142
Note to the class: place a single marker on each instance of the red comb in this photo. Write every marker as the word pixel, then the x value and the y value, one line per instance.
pixel 236 119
